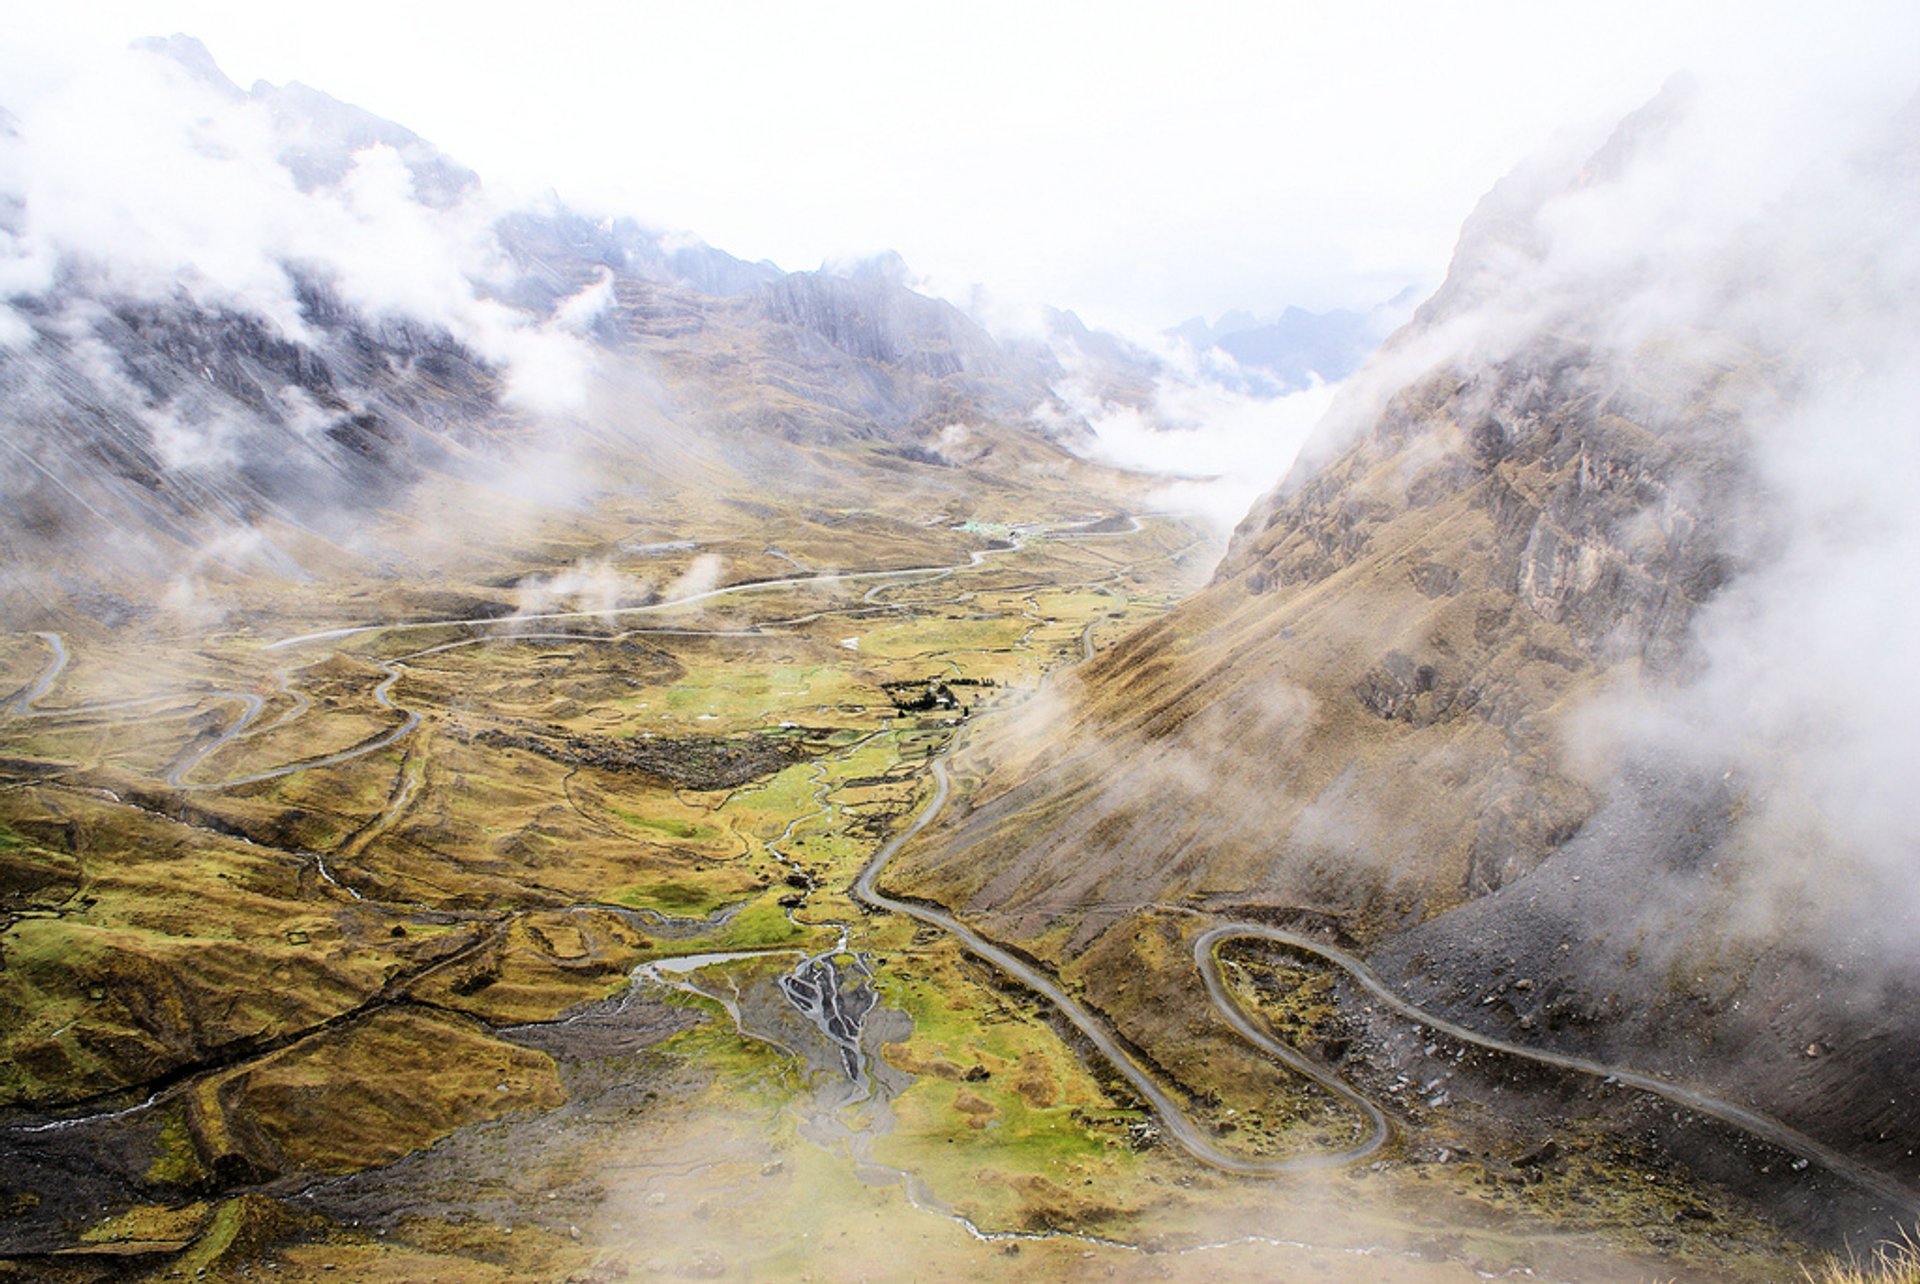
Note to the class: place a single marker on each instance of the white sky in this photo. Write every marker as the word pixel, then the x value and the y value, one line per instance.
pixel 1138 163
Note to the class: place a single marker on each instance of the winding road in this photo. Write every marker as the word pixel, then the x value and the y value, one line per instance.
pixel 1191 1135
pixel 382 696
pixel 1697 1100
pixel 1194 1138
pixel 32 692
pixel 252 705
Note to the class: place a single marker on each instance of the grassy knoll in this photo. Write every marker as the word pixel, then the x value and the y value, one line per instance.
pixel 1002 1116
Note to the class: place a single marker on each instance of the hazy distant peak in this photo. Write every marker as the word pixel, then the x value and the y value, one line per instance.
pixel 1193 330
pixel 1064 321
pixel 320 134
pixel 888 266
pixel 190 54
pixel 1640 130
pixel 1115 356
pixel 1233 322
pixel 1288 352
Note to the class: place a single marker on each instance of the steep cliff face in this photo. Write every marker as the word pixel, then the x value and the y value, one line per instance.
pixel 1359 715
pixel 894 340
pixel 166 421
pixel 1495 679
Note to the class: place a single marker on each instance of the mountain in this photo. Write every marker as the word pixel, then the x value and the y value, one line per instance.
pixel 1544 677
pixel 472 668
pixel 317 320
pixel 317 134
pixel 424 614
pixel 1292 350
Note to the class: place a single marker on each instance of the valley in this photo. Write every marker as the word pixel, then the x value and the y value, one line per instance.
pixel 318 1021
pixel 533 748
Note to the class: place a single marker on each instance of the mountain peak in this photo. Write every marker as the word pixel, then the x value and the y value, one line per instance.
pixel 193 56
pixel 888 267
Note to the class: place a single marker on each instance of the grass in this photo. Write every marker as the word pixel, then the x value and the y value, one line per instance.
pixel 219 938
pixel 1894 1262
pixel 914 639
pixel 387 1086
pixel 679 900
pixel 762 924
pixel 545 962
pixel 150 1224
pixel 670 826
pixel 175 1162
pixel 92 984
pixel 717 697
pixel 998 1103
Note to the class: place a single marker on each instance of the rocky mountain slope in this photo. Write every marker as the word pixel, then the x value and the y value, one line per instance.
pixel 1533 677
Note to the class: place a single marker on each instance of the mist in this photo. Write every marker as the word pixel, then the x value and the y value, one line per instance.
pixel 594 586
pixel 1221 446
pixel 1759 253
pixel 135 174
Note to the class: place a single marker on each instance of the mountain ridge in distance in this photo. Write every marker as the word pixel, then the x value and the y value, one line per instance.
pixel 563 352
pixel 1298 348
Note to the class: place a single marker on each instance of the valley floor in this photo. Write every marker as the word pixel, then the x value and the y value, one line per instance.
pixel 460 944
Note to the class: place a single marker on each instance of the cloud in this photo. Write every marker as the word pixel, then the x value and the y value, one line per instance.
pixel 547 371
pixel 595 585
pixel 300 412
pixel 702 575
pixel 132 172
pixel 192 597
pixel 15 332
pixel 185 443
pixel 577 312
pixel 1799 702
pixel 1225 446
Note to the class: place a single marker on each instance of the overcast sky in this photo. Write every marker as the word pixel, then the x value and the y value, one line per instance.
pixel 1138 163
